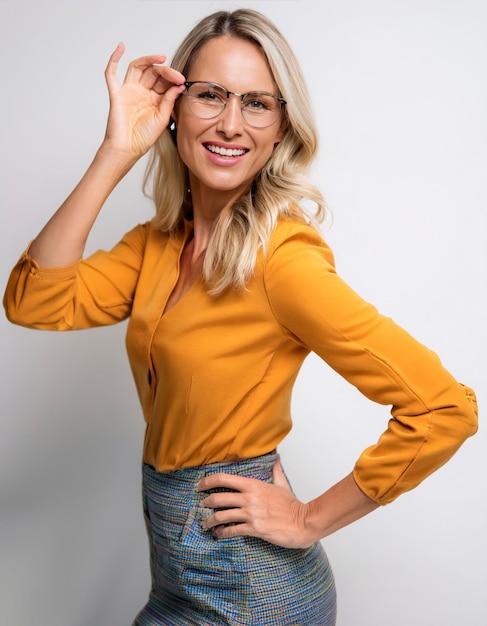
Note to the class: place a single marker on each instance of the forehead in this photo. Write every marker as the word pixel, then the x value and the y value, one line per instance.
pixel 237 64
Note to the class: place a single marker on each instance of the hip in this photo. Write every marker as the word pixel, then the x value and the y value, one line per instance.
pixel 240 580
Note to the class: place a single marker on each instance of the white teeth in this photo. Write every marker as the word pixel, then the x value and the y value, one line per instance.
pixel 225 151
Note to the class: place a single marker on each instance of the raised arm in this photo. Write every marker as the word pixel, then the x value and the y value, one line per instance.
pixel 140 109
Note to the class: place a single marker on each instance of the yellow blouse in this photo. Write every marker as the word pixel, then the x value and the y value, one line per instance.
pixel 214 375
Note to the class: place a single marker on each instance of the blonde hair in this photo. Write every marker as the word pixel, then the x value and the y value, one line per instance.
pixel 279 188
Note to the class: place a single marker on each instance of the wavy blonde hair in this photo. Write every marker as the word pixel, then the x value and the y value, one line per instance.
pixel 281 186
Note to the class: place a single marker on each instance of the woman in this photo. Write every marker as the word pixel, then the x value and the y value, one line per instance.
pixel 227 290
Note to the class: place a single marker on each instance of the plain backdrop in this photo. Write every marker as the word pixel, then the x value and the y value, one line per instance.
pixel 400 95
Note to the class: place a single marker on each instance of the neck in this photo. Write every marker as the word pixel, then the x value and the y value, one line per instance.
pixel 207 205
pixel 202 229
pixel 206 210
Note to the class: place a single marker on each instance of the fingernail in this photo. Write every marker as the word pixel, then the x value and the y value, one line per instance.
pixel 203 525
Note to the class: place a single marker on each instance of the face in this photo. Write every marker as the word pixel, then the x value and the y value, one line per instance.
pixel 239 66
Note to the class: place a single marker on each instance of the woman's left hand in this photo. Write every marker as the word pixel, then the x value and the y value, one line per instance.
pixel 255 508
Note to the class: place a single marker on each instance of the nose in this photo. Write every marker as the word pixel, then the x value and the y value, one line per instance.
pixel 231 122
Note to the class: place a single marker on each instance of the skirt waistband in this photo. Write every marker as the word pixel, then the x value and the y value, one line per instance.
pixel 259 467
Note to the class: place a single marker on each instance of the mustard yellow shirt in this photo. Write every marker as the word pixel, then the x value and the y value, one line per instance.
pixel 215 375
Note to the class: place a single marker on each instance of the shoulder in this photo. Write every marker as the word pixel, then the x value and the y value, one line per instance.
pixel 296 237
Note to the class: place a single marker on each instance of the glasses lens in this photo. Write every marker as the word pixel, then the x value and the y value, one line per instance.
pixel 206 100
pixel 260 109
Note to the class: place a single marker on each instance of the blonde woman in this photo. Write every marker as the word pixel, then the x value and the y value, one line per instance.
pixel 227 290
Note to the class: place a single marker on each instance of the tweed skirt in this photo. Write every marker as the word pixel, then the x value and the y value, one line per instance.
pixel 201 580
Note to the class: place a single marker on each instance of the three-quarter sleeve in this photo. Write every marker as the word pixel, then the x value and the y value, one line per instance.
pixel 95 291
pixel 432 414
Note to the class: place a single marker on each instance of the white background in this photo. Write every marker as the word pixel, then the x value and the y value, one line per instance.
pixel 400 94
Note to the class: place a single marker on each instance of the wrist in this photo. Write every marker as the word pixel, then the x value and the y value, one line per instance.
pixel 111 157
pixel 306 531
pixel 312 522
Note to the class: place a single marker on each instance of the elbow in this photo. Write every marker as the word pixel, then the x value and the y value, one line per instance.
pixel 35 318
pixel 468 414
pixel 12 313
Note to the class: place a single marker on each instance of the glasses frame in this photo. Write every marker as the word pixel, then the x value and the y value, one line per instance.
pixel 242 96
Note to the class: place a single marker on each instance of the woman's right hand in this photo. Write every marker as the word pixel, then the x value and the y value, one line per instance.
pixel 140 107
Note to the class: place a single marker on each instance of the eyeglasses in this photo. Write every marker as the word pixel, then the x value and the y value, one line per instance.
pixel 207 100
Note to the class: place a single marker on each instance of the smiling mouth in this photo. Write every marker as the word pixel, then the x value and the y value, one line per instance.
pixel 225 152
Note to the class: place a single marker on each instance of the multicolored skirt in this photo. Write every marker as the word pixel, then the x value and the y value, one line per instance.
pixel 200 580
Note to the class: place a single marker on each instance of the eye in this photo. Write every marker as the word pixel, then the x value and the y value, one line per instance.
pixel 259 103
pixel 256 104
pixel 209 95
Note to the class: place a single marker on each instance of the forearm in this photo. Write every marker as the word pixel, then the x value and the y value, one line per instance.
pixel 63 239
pixel 341 505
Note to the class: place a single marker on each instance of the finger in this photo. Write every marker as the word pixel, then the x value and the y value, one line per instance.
pixel 169 98
pixel 234 530
pixel 167 94
pixel 227 516
pixel 223 500
pixel 169 74
pixel 150 78
pixel 138 66
pixel 224 481
pixel 162 76
pixel 111 68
